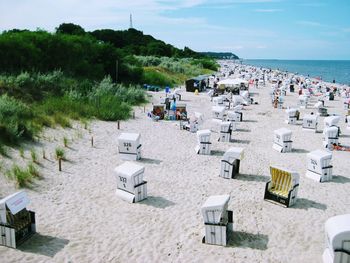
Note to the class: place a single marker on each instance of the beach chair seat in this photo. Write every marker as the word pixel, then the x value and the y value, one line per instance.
pixel 217 220
pixel 310 122
pixel 203 142
pixel 129 146
pixel 282 140
pixel 283 187
pixel 337 232
pixel 319 166
pixel 230 162
pixel 17 224
pixel 130 184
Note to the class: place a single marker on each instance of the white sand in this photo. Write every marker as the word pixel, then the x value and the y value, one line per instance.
pixel 79 218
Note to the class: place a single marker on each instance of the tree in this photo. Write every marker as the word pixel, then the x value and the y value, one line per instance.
pixel 70 29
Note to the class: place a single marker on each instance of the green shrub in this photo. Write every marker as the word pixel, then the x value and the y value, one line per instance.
pixel 3 150
pixel 59 153
pixel 60 119
pixel 21 176
pixel 33 170
pixel 21 152
pixel 34 156
pixel 65 141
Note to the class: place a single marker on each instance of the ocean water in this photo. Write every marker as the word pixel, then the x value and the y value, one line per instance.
pixel 329 70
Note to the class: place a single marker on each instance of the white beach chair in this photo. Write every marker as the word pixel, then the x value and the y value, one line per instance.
pixel 217 220
pixel 218 112
pixel 17 223
pixel 282 140
pixel 230 162
pixel 218 101
pixel 225 131
pixel 130 184
pixel 203 140
pixel 332 121
pixel 283 187
pixel 310 122
pixel 330 137
pixel 337 232
pixel 129 146
pixel 319 166
pixel 348 122
pixel 291 115
pixel 303 101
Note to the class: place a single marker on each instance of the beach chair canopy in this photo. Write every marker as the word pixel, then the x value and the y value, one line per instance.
pixel 331 121
pixel 15 203
pixel 215 208
pixel 234 153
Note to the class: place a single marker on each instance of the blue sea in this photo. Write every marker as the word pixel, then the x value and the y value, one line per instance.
pixel 329 70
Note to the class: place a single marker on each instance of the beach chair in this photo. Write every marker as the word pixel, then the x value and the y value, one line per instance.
pixel 129 146
pixel 158 111
pixel 217 220
pixel 322 112
pixel 302 101
pixel 218 101
pixel 238 110
pixel 318 105
pixel 348 122
pixel 230 162
pixel 319 166
pixel 291 115
pixel 310 122
pixel 337 232
pixel 332 121
pixel 225 131
pixel 203 140
pixel 180 112
pixel 17 224
pixel 282 140
pixel 130 184
pixel 218 112
pixel 283 187
pixel 330 137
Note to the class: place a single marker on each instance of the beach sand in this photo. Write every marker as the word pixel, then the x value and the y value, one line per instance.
pixel 80 219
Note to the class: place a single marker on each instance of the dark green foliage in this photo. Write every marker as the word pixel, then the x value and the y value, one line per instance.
pixel 70 28
pixel 220 55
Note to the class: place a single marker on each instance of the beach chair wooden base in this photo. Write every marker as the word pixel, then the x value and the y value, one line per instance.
pixel 139 194
pixel 218 234
pixel 327 176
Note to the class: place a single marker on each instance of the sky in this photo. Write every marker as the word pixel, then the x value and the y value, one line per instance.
pixel 263 29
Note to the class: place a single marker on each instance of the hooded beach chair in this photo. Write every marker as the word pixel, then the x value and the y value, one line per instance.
pixel 129 146
pixel 337 232
pixel 302 101
pixel 282 140
pixel 218 101
pixel 283 186
pixel 225 131
pixel 130 184
pixel 319 166
pixel 17 223
pixel 203 142
pixel 330 137
pixel 332 121
pixel 310 122
pixel 217 220
pixel 291 115
pixel 230 162
pixel 218 112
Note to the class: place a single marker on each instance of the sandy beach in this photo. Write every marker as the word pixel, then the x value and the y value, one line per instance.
pixel 80 219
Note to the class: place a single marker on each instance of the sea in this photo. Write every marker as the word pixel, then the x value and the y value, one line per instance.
pixel 328 70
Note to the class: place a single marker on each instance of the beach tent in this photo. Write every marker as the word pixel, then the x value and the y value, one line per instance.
pixel 319 166
pixel 217 220
pixel 337 232
pixel 234 83
pixel 282 140
pixel 230 162
pixel 198 83
pixel 17 223
pixel 130 184
pixel 283 186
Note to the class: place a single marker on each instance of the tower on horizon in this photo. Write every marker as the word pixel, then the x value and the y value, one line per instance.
pixel 130 21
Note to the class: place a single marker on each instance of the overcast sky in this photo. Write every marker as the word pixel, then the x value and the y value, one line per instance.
pixel 281 29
